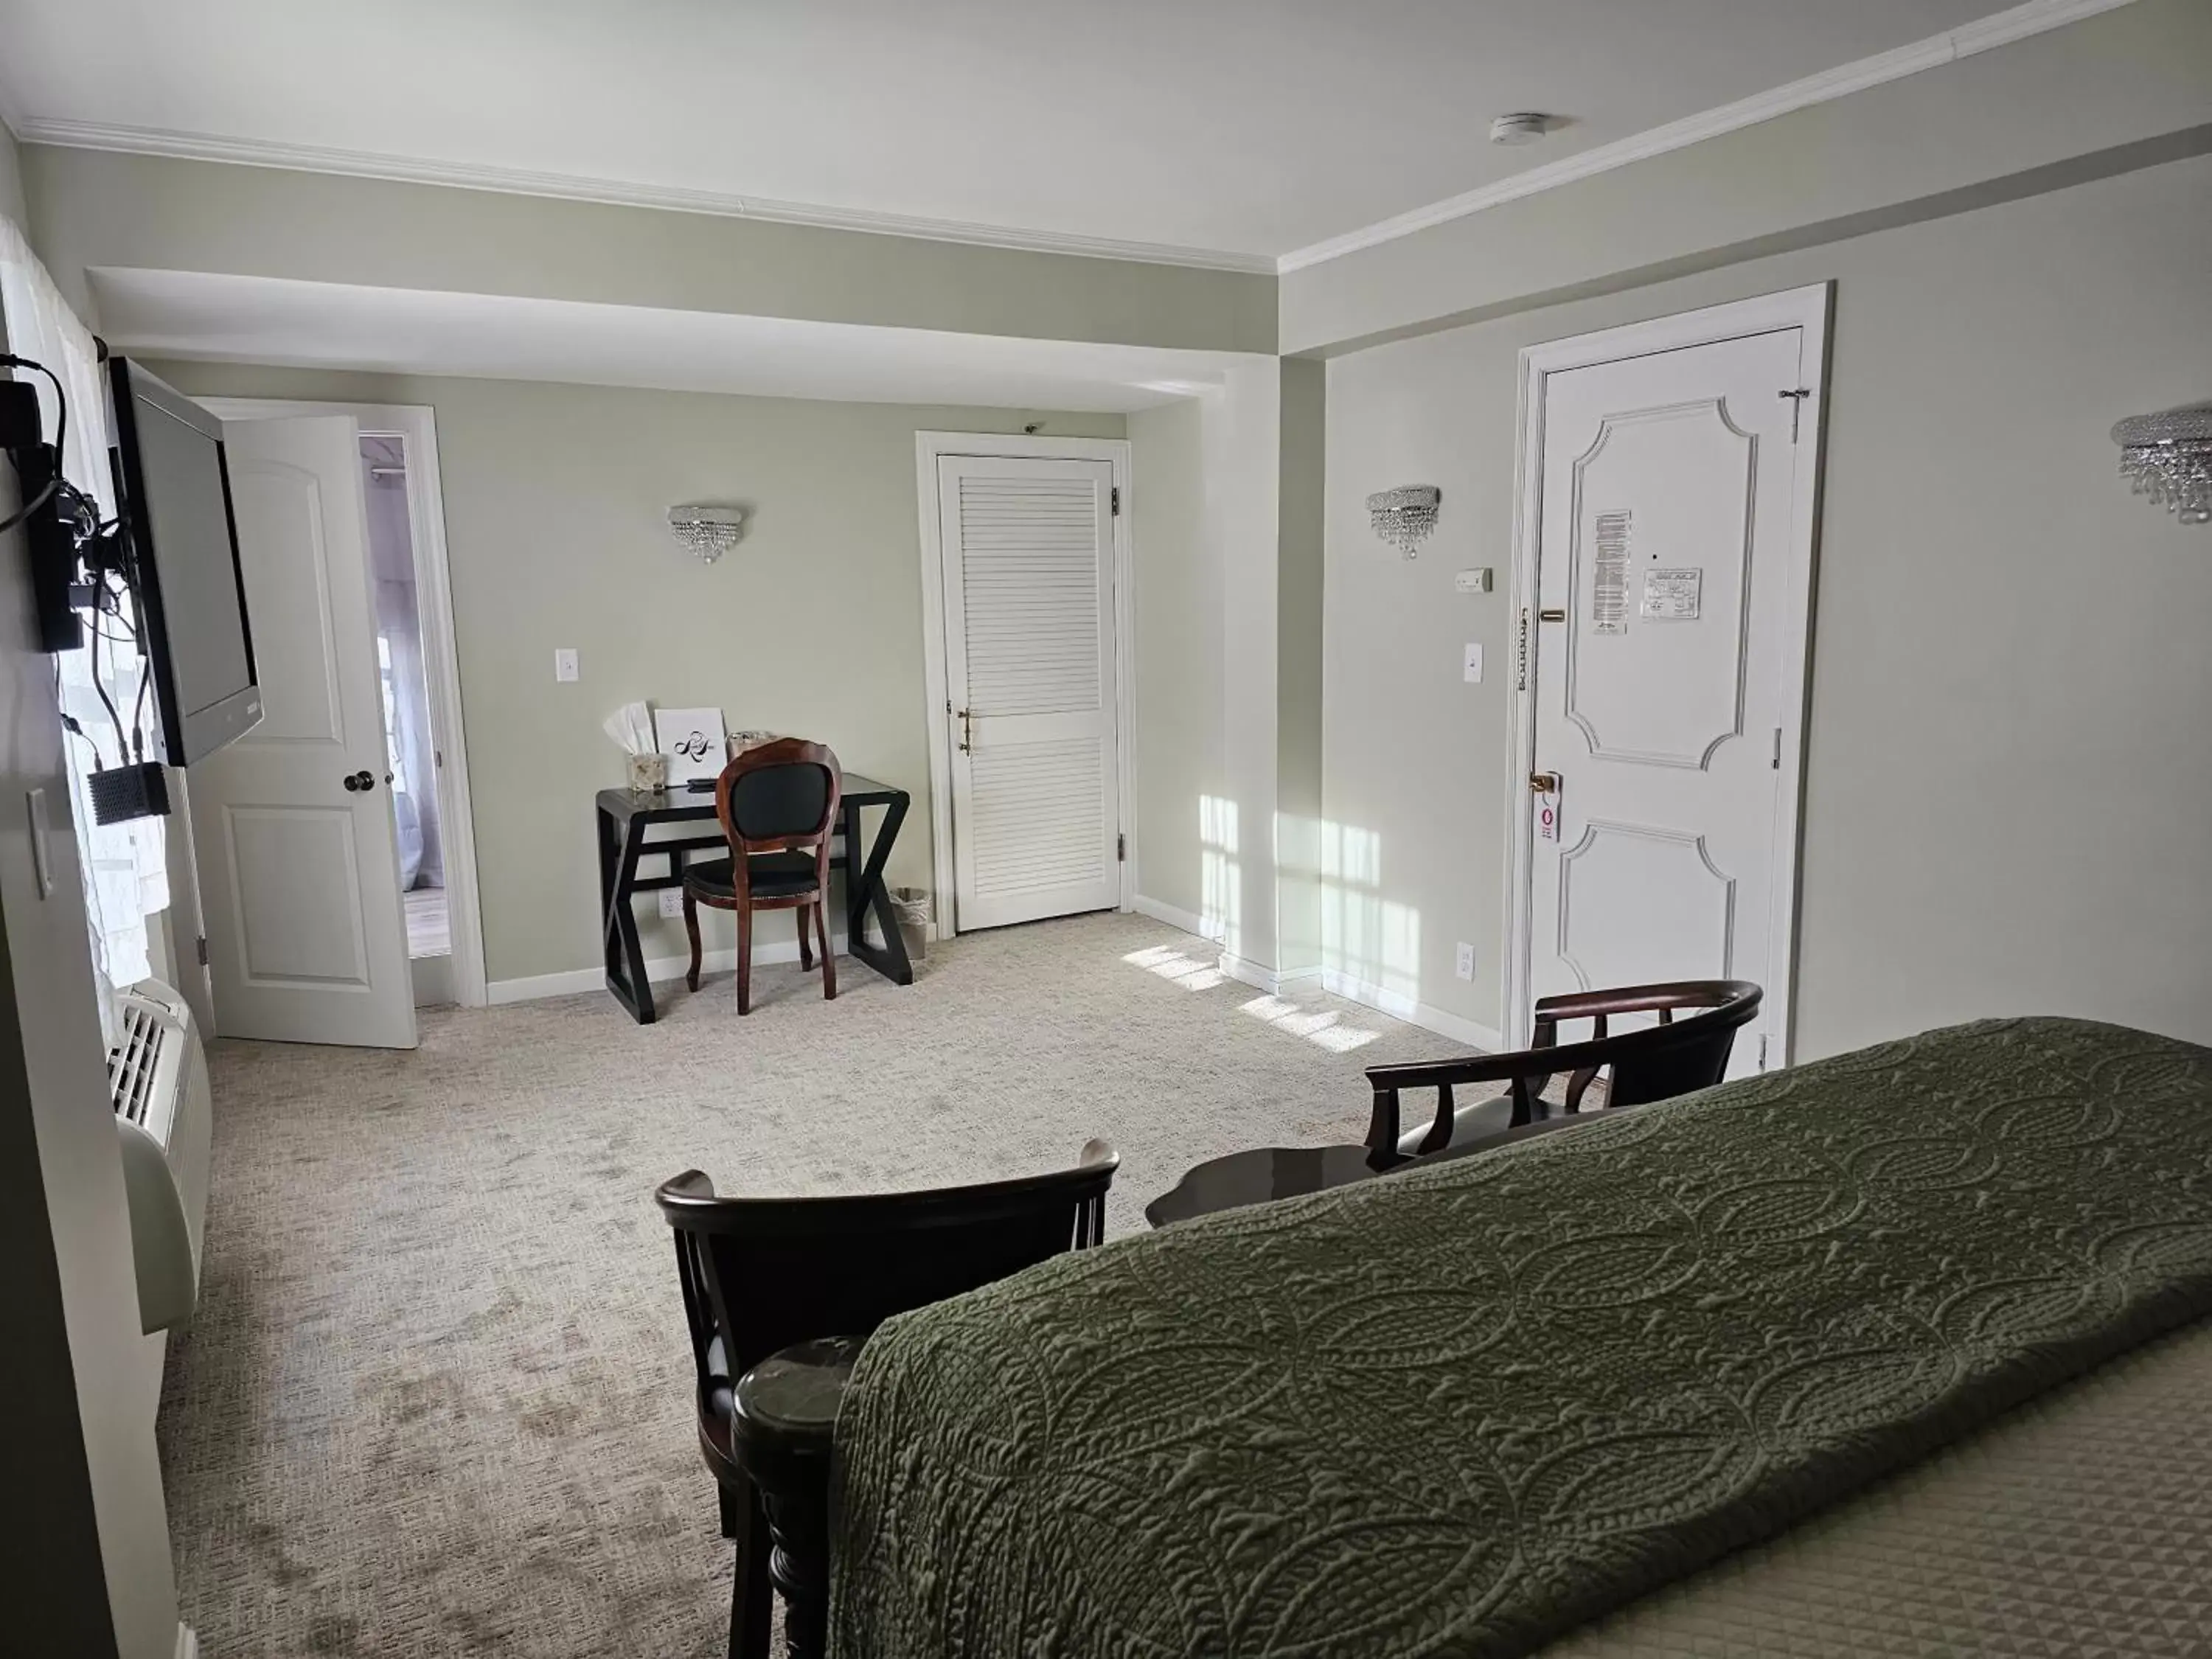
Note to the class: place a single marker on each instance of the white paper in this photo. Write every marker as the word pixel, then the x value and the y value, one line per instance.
pixel 631 728
pixel 1609 580
pixel 1671 594
pixel 1548 815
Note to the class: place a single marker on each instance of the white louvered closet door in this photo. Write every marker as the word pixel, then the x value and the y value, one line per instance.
pixel 1029 659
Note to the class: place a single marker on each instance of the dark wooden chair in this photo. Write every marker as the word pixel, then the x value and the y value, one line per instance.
pixel 778 805
pixel 1653 1062
pixel 759 1274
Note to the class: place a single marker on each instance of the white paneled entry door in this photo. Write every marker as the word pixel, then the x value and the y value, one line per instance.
pixel 299 863
pixel 1666 661
pixel 1027 548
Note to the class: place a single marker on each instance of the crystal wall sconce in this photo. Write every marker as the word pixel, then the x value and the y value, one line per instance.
pixel 706 531
pixel 1405 516
pixel 2168 458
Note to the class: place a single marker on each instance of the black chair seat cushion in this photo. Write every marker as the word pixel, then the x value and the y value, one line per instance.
pixel 1470 1123
pixel 774 875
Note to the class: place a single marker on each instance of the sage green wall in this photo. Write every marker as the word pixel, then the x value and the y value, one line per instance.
pixel 2008 782
pixel 11 181
pixel 2016 119
pixel 1178 656
pixel 95 208
pixel 555 498
pixel 1298 630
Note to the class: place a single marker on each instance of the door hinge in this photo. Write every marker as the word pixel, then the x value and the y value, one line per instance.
pixel 1762 1054
pixel 200 949
pixel 1121 849
pixel 1116 499
pixel 438 758
pixel 1777 757
pixel 1796 396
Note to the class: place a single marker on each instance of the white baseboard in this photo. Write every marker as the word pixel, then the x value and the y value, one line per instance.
pixel 1187 921
pixel 1249 973
pixel 188 1642
pixel 1399 1006
pixel 656 968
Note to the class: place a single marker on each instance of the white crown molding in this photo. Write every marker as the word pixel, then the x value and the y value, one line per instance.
pixel 614 192
pixel 2000 29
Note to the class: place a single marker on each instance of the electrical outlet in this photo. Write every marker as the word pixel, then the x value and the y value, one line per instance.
pixel 1465 963
pixel 671 903
pixel 1471 665
pixel 564 664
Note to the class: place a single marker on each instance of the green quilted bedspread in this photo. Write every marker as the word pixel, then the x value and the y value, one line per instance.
pixel 1461 1410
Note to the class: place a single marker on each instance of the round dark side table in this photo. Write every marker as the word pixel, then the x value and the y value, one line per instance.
pixel 1257 1176
pixel 1271 1172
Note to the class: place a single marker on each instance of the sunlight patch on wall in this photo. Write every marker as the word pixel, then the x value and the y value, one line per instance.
pixel 1371 941
pixel 1220 908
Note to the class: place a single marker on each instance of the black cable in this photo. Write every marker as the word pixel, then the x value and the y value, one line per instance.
pixel 30 507
pixel 122 743
pixel 138 709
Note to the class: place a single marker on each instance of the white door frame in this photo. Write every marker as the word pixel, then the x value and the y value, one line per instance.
pixel 928 447
pixel 416 427
pixel 1808 308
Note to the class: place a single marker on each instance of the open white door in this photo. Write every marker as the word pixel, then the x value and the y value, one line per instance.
pixel 298 865
pixel 1668 662
pixel 1030 675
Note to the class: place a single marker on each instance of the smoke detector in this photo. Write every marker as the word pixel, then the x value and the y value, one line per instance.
pixel 1523 128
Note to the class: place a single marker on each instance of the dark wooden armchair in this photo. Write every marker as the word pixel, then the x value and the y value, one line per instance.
pixel 760 1274
pixel 778 806
pixel 1653 1062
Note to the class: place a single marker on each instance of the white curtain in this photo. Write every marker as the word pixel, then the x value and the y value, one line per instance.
pixel 126 872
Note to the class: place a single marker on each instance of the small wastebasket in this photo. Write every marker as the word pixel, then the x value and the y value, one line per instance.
pixel 911 906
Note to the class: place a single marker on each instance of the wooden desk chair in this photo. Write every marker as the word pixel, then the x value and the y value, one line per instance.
pixel 1655 1063
pixel 760 1274
pixel 778 804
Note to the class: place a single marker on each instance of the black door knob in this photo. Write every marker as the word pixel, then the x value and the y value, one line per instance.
pixel 360 780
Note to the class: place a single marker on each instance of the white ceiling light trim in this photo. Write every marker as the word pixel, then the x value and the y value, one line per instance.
pixel 613 192
pixel 2001 28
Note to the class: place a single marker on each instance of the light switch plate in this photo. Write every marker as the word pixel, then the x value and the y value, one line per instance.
pixel 671 903
pixel 1465 965
pixel 1473 582
pixel 1471 670
pixel 564 664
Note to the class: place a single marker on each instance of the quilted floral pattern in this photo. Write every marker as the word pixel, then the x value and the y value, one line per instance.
pixel 1463 1410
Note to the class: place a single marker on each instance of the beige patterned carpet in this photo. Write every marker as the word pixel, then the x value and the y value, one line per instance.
pixel 436 1399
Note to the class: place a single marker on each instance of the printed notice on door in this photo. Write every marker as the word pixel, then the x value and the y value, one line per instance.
pixel 1671 595
pixel 1609 583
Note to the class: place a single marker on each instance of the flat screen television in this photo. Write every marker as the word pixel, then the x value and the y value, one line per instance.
pixel 173 487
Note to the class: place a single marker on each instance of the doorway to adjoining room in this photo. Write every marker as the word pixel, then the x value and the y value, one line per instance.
pixel 409 734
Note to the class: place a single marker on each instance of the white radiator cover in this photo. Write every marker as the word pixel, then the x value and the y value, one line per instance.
pixel 157 1073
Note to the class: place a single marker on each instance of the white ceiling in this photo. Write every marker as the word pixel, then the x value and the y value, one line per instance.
pixel 168 313
pixel 1251 127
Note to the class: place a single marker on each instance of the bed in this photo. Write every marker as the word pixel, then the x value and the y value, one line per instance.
pixel 1891 1352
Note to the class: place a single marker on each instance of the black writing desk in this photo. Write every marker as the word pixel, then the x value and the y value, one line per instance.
pixel 624 819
